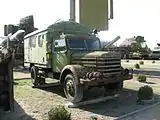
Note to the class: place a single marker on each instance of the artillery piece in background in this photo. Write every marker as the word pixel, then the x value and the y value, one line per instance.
pixel 13 44
pixel 155 54
pixel 108 45
pixel 13 40
pixel 132 48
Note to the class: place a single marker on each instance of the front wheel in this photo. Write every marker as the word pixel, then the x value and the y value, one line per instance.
pixel 73 92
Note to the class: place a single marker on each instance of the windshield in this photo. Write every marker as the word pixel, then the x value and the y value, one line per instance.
pixel 88 44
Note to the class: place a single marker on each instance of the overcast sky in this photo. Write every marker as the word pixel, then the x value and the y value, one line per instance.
pixel 131 17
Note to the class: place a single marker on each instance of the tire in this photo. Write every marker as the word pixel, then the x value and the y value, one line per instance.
pixel 34 78
pixel 73 92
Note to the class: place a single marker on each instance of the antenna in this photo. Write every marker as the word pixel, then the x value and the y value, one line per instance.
pixel 72 10
pixel 58 20
pixel 111 9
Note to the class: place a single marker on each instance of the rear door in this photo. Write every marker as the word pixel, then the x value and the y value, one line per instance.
pixel 26 50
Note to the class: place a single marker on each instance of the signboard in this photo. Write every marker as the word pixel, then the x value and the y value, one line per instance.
pixel 92 13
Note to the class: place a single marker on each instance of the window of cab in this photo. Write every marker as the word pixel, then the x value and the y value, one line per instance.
pixel 59 45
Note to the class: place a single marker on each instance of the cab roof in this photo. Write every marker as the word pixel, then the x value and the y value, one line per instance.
pixel 67 27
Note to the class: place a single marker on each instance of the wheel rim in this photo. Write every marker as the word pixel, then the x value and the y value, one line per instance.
pixel 70 89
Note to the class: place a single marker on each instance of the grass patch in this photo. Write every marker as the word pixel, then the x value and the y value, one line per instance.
pixel 23 89
pixel 137 66
pixel 22 82
pixel 141 62
pixel 141 78
pixel 59 113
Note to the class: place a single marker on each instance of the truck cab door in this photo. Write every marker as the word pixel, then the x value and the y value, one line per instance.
pixel 59 59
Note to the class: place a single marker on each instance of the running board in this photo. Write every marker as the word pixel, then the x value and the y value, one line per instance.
pixel 47 85
pixel 102 99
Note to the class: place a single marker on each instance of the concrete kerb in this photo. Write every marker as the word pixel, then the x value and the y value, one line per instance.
pixel 71 105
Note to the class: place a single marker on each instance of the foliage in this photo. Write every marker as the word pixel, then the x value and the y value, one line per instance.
pixel 141 78
pixel 137 66
pixel 59 113
pixel 145 93
pixel 93 118
pixel 27 24
pixel 141 62
pixel 153 61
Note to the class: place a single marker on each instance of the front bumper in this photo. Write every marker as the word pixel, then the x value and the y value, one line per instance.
pixel 99 81
pixel 127 74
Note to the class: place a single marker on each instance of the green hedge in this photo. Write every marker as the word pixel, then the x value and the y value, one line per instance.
pixel 59 113
pixel 145 93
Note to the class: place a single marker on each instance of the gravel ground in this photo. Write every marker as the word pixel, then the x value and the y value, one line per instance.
pixel 149 114
pixel 32 103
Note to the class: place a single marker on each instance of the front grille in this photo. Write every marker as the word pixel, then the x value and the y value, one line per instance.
pixel 105 65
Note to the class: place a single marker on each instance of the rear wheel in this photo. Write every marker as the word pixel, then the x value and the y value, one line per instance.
pixel 34 78
pixel 73 92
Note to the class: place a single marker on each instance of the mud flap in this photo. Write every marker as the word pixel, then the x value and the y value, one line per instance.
pixel 6 85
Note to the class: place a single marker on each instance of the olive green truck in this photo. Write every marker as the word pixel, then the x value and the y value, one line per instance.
pixel 70 53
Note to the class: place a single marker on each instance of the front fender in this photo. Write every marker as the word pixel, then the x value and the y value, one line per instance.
pixel 77 70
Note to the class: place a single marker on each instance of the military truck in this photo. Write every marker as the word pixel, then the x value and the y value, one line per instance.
pixel 72 54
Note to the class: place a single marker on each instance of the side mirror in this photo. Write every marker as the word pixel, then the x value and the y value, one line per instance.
pixel 95 31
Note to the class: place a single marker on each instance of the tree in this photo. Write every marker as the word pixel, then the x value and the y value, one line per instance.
pixel 27 24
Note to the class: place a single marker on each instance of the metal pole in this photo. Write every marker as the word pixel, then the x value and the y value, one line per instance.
pixel 8 43
pixel 111 9
pixel 72 10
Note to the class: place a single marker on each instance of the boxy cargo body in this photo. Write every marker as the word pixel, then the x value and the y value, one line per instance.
pixel 69 52
pixel 35 49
